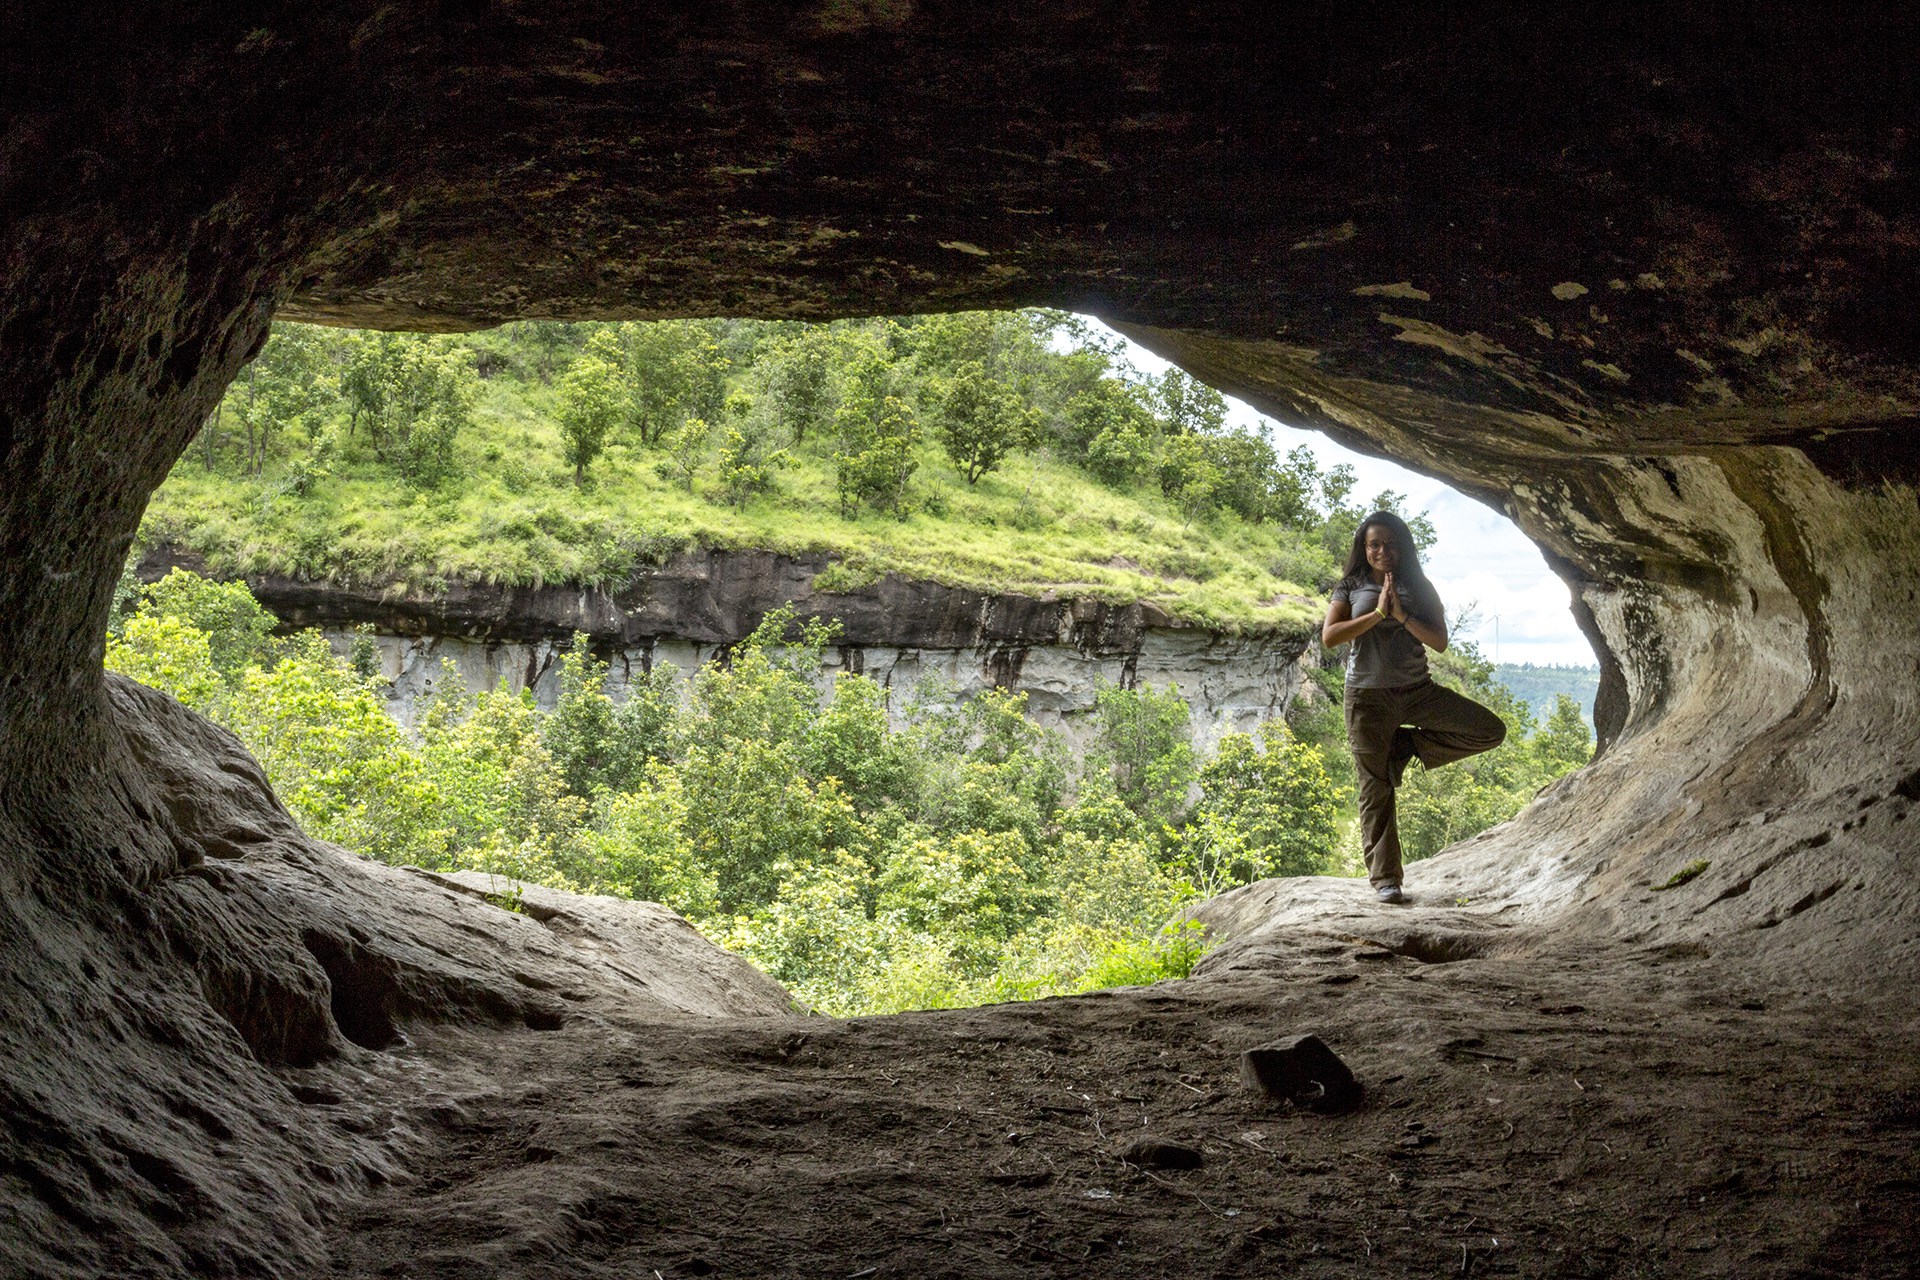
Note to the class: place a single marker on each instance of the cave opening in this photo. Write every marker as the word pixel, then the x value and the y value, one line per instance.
pixel 1060 613
pixel 1639 282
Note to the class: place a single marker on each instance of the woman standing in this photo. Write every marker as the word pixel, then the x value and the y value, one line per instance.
pixel 1390 612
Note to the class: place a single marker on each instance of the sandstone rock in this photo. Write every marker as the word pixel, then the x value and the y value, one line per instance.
pixel 1302 1071
pixel 1718 457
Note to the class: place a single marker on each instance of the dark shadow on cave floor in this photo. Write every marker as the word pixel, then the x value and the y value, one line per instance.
pixel 1592 1113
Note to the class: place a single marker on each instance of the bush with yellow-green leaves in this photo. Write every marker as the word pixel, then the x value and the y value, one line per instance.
pixel 962 857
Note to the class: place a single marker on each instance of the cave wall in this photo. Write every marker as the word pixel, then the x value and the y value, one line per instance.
pixel 1644 280
pixel 1645 283
pixel 1762 722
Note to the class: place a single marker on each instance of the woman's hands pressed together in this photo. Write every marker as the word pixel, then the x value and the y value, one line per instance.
pixel 1390 601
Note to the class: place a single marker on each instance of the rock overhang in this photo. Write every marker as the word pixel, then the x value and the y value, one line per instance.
pixel 1643 281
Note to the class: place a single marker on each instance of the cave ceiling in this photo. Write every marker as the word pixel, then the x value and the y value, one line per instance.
pixel 1643 279
pixel 1694 232
pixel 1547 256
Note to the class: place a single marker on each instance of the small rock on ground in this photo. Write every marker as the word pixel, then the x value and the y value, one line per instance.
pixel 1304 1072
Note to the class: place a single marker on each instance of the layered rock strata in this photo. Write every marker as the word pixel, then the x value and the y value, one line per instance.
pixel 921 641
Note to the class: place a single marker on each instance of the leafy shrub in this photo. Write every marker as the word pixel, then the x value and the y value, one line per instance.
pixel 871 866
pixel 235 625
pixel 169 654
pixel 1267 808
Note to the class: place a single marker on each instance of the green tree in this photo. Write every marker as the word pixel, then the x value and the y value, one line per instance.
pixel 1341 518
pixel 503 791
pixel 1145 740
pixel 367 378
pixel 645 728
pixel 1188 406
pixel 1564 742
pixel 336 758
pixel 1009 345
pixel 1251 482
pixel 1298 484
pixel 1112 429
pixel 671 370
pixel 797 381
pixel 1112 885
pixel 290 384
pixel 748 460
pixel 1267 808
pixel 591 396
pixel 980 420
pixel 1187 474
pixel 1445 806
pixel 970 890
pixel 599 745
pixel 170 654
pixel 550 339
pixel 850 740
pixel 414 396
pixel 638 847
pixel 817 936
pixel 752 816
pixel 236 627
pixel 753 811
pixel 686 450
pixel 984 765
pixel 1424 534
pixel 879 438
pixel 579 732
pixel 1441 806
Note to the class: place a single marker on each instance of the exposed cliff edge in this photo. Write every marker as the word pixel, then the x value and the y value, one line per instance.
pixel 905 634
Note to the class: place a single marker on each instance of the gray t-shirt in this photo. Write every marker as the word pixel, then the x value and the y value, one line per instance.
pixel 1388 656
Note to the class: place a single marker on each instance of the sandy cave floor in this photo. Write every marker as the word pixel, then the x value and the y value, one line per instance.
pixel 1574 1114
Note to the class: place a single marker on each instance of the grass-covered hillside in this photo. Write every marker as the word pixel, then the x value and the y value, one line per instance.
pixel 1000 451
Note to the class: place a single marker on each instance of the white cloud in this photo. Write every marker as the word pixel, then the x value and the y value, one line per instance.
pixel 1523 611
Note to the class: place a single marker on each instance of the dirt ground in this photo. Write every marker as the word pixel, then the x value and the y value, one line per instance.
pixel 1604 1114
pixel 298 1062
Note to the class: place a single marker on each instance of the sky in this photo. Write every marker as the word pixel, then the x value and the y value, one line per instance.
pixel 1516 610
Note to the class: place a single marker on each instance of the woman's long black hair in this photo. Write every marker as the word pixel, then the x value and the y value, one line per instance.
pixel 1409 566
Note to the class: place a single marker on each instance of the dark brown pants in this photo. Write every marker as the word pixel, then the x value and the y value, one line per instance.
pixel 1441 727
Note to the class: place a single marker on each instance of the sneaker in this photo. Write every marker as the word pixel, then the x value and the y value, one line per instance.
pixel 1391 893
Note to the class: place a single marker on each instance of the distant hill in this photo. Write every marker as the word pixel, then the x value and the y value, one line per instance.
pixel 970 450
pixel 1538 685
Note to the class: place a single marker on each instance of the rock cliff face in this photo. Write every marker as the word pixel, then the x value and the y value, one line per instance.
pixel 1645 279
pixel 913 638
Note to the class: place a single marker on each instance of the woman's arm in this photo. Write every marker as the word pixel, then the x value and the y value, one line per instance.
pixel 1341 626
pixel 1431 634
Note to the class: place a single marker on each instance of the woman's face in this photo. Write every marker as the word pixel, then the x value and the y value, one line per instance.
pixel 1383 553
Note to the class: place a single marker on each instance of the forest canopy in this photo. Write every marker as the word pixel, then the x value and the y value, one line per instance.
pixel 953 853
pixel 1002 451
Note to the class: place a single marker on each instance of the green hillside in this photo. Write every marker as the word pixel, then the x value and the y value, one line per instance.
pixel 957 854
pixel 999 451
